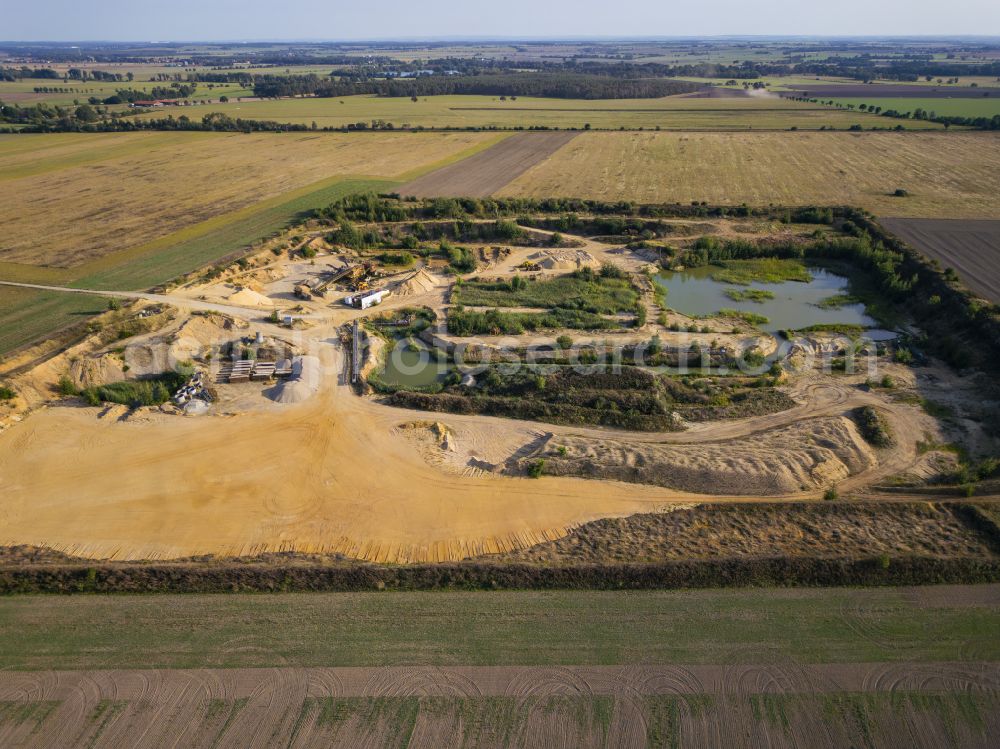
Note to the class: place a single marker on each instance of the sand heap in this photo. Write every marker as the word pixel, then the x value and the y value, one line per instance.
pixel 302 385
pixel 196 337
pixel 805 456
pixel 319 244
pixel 99 371
pixel 419 283
pixel 267 275
pixel 563 259
pixel 247 297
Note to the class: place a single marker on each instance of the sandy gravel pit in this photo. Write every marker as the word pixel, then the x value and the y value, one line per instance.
pixel 325 475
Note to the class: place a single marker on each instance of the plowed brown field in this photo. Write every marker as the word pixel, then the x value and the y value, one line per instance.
pixel 971 248
pixel 489 171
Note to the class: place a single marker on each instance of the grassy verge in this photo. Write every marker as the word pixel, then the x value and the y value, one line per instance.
pixel 489 628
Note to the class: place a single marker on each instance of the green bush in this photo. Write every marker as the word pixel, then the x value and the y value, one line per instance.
pixel 610 270
pixel 460 259
pixel 751 318
pixel 66 387
pixel 873 427
pixel 536 469
pixel 404 259
pixel 135 393
pixel 7 394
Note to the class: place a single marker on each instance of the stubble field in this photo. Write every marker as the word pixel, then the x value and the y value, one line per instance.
pixel 132 210
pixel 954 175
pixel 72 198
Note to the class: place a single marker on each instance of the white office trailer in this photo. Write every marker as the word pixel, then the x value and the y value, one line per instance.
pixel 366 299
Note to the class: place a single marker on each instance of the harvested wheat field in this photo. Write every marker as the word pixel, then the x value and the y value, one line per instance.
pixel 95 194
pixel 488 172
pixel 948 175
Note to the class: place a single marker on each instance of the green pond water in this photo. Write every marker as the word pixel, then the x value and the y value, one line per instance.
pixel 412 366
pixel 794 306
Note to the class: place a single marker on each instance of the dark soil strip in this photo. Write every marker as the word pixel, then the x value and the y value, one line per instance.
pixel 632 109
pixel 228 576
pixel 512 681
pixel 970 247
pixel 491 170
pixel 890 91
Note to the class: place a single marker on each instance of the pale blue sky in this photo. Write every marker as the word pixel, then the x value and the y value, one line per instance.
pixel 194 20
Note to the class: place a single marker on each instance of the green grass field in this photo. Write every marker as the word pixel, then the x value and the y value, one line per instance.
pixel 670 113
pixel 23 92
pixel 491 628
pixel 984 107
pixel 30 314
pixel 599 295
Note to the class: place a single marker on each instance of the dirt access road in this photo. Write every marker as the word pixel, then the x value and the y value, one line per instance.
pixel 491 170
pixel 970 247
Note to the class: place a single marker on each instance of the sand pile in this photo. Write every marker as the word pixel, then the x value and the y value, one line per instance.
pixel 319 244
pixel 267 275
pixel 436 444
pixel 563 259
pixel 247 297
pixel 302 385
pixel 196 407
pixel 196 337
pixel 805 456
pixel 419 283
pixel 99 371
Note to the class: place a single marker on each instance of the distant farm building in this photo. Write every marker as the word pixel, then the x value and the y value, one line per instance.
pixel 155 103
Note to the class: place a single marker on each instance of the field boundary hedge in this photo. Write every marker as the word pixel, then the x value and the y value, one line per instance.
pixel 715 573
